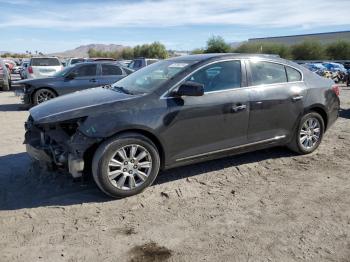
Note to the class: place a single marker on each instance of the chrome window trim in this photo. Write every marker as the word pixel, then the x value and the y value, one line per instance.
pixel 164 95
pixel 273 139
pixel 279 63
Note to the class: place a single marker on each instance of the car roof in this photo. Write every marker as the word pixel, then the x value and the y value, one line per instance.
pixel 203 57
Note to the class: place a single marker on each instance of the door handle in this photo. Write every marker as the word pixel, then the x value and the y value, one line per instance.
pixel 239 108
pixel 297 98
pixel 93 80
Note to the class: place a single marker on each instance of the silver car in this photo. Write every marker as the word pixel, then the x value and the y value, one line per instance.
pixel 40 67
pixel 5 77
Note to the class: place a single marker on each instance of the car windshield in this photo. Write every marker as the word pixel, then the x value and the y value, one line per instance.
pixel 63 72
pixel 151 77
pixel 77 60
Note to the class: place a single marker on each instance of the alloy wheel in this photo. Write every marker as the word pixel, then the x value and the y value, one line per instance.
pixel 310 133
pixel 44 95
pixel 129 167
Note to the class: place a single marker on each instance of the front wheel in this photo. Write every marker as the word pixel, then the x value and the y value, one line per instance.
pixel 309 134
pixel 126 165
pixel 43 95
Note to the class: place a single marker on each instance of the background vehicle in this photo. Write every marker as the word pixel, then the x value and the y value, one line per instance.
pixel 43 67
pixel 180 111
pixel 74 78
pixel 5 77
pixel 73 61
pixel 139 63
pixel 102 59
pixel 23 71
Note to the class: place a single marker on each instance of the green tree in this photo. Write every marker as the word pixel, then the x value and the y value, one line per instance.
pixel 339 50
pixel 308 50
pixel 198 51
pixel 264 48
pixel 217 44
pixel 127 53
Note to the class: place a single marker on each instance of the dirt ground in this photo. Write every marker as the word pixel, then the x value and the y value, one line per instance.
pixel 269 205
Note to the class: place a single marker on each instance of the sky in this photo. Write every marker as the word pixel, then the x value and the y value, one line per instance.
pixel 52 26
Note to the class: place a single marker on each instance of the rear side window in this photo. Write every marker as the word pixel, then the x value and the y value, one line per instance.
pixel 219 76
pixel 293 74
pixel 110 70
pixel 267 73
pixel 45 62
pixel 86 70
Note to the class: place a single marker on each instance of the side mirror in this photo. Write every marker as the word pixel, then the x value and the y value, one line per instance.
pixel 71 76
pixel 190 89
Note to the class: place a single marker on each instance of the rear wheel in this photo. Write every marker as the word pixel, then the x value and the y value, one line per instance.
pixel 43 95
pixel 125 166
pixel 309 134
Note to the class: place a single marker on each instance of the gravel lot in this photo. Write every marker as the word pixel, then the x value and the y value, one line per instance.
pixel 269 205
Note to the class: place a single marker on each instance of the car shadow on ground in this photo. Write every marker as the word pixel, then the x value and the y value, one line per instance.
pixel 344 113
pixel 12 107
pixel 23 184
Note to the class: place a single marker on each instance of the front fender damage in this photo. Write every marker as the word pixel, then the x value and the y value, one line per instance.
pixel 61 145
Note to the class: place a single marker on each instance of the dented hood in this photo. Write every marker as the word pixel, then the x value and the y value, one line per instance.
pixel 78 104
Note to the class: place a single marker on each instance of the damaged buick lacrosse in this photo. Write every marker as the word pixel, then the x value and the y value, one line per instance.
pixel 181 111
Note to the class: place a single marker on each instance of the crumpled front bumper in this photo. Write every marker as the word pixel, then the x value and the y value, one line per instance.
pixel 38 154
pixel 53 147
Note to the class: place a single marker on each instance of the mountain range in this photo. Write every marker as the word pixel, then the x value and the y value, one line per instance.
pixel 82 51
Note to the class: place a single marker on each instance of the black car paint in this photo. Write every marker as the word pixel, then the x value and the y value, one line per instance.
pixel 64 85
pixel 192 129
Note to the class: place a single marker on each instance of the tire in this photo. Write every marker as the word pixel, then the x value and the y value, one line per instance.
pixel 43 95
pixel 126 182
pixel 304 133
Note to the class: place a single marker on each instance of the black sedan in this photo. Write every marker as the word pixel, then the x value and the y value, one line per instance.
pixel 180 111
pixel 71 79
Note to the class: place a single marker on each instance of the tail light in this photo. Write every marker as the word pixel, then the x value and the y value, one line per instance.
pixel 1 68
pixel 336 89
pixel 30 70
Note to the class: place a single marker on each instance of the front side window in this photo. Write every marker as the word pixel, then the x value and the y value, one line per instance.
pixel 293 74
pixel 263 73
pixel 110 70
pixel 219 76
pixel 86 70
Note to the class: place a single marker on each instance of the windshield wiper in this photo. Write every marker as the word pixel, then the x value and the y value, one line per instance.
pixel 123 90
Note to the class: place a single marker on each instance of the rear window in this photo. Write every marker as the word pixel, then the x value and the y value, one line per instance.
pixel 77 60
pixel 45 62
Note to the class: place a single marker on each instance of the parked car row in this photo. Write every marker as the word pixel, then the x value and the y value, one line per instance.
pixel 335 71
pixel 5 76
pixel 73 78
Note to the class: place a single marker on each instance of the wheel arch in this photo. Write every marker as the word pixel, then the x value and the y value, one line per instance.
pixel 40 88
pixel 137 131
pixel 320 110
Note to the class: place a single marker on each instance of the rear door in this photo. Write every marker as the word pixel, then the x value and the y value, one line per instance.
pixel 110 74
pixel 85 77
pixel 276 100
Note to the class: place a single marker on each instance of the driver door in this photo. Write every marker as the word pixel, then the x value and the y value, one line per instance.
pixel 85 77
pixel 216 121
